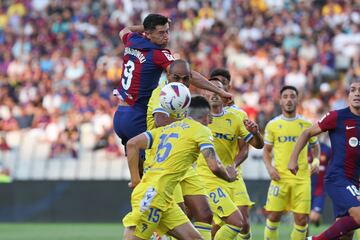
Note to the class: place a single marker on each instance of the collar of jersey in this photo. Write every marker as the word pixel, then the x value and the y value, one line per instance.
pixel 219 114
pixel 289 119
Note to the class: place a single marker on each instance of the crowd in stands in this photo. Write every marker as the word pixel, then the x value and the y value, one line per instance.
pixel 60 59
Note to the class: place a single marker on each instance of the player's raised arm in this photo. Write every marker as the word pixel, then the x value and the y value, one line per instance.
pixel 133 152
pixel 300 144
pixel 135 28
pixel 200 81
pixel 257 141
pixel 217 167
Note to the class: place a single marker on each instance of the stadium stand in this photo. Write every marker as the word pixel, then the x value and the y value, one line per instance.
pixel 60 60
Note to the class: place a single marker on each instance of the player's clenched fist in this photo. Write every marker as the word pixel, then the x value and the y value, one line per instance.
pixel 251 126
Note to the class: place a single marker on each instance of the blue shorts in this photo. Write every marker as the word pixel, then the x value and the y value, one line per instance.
pixel 344 196
pixel 129 122
pixel 317 203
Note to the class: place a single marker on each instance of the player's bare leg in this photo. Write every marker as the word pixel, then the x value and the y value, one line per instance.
pixel 315 218
pixel 272 225
pixel 199 209
pixel 185 231
pixel 233 227
pixel 129 233
pixel 244 210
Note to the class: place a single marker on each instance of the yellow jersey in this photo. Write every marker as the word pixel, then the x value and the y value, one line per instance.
pixel 177 147
pixel 282 133
pixel 226 129
pixel 154 106
pixel 242 115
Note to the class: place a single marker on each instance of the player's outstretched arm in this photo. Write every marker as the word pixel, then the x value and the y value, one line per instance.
pixel 200 81
pixel 133 149
pixel 217 167
pixel 300 144
pixel 135 28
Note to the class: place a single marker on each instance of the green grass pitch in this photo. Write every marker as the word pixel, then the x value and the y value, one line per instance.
pixel 96 231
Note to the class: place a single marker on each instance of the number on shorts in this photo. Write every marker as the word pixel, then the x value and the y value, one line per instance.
pixel 127 76
pixel 353 190
pixel 154 215
pixel 274 190
pixel 220 194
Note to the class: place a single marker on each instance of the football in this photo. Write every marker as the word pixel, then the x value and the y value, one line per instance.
pixel 175 97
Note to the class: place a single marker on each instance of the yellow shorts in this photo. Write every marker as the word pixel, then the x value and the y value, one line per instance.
pixel 178 194
pixel 289 196
pixel 191 184
pixel 220 200
pixel 240 195
pixel 155 220
pixel 148 218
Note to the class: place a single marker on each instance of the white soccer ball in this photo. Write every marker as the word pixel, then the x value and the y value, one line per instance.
pixel 175 97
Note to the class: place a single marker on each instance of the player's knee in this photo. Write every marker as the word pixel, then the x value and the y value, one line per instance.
pixel 245 226
pixel 347 236
pixel 355 214
pixel 205 216
pixel 274 216
pixel 194 235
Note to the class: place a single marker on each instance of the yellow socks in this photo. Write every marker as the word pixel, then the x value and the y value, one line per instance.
pixel 227 232
pixel 204 229
pixel 271 230
pixel 299 232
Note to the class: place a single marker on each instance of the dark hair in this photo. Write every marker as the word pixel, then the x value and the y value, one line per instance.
pixel 179 62
pixel 199 102
pixel 286 87
pixel 221 72
pixel 153 20
pixel 199 107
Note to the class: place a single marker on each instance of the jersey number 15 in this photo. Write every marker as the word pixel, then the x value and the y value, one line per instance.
pixel 165 145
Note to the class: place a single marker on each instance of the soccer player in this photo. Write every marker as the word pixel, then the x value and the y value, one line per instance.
pixel 241 196
pixel 190 189
pixel 287 192
pixel 226 128
pixel 317 184
pixel 145 58
pixel 177 147
pixel 342 177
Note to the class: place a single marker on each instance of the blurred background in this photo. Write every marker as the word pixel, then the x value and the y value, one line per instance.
pixel 60 60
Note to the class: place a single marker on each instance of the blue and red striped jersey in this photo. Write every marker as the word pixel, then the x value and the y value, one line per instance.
pixel 143 64
pixel 344 131
pixel 317 180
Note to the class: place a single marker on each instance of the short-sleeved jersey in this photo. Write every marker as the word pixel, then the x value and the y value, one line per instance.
pixel 142 67
pixel 226 129
pixel 242 115
pixel 282 133
pixel 154 106
pixel 344 131
pixel 177 147
pixel 317 180
pixel 237 111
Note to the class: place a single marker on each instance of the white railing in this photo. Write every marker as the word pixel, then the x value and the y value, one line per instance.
pixel 29 159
